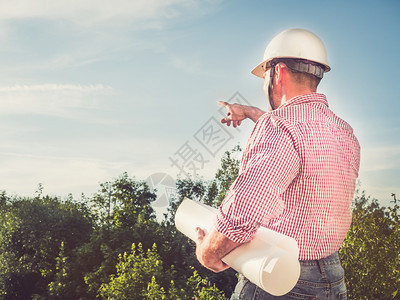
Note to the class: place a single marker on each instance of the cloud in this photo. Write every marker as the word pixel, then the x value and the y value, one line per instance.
pixel 22 173
pixel 375 159
pixel 52 99
pixel 64 168
pixel 91 12
pixel 81 32
pixel 54 87
pixel 378 171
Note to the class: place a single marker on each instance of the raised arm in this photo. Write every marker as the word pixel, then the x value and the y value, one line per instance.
pixel 237 113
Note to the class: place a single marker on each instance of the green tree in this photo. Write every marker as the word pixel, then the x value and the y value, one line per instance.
pixel 124 217
pixel 370 252
pixel 201 289
pixel 137 275
pixel 182 250
pixel 120 202
pixel 30 235
pixel 226 174
pixel 3 199
pixel 60 288
pixel 154 290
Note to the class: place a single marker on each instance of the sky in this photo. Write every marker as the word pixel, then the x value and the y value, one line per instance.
pixel 92 89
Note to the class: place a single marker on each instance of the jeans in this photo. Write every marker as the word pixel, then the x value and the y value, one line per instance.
pixel 319 279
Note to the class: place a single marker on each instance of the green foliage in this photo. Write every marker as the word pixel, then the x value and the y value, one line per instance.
pixel 182 250
pixel 227 173
pixel 120 202
pixel 3 199
pixel 104 246
pixel 31 231
pixel 370 254
pixel 124 217
pixel 60 288
pixel 154 291
pixel 137 275
pixel 90 261
pixel 212 193
pixel 201 289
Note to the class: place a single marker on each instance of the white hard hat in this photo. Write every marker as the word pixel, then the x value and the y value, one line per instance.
pixel 297 44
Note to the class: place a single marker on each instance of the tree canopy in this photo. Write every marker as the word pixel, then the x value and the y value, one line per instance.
pixel 111 246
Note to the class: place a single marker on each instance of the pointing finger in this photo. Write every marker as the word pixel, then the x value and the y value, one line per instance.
pixel 223 103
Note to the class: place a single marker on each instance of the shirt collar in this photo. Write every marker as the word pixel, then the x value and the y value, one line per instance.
pixel 308 98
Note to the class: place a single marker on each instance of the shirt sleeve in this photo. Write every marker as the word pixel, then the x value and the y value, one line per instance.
pixel 255 196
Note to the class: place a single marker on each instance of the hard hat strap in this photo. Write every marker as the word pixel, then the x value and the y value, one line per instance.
pixel 271 79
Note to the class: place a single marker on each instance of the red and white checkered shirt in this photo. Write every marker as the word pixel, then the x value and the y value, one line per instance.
pixel 297 177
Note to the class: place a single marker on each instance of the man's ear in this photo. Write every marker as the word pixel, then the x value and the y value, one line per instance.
pixel 280 70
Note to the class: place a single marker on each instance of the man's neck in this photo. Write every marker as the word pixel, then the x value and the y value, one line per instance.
pixel 294 92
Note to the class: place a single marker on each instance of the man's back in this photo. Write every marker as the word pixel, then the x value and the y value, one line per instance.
pixel 317 203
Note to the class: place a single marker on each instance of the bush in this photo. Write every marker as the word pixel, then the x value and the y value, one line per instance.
pixel 370 252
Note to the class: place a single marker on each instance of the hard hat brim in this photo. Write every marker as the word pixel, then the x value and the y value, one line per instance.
pixel 259 70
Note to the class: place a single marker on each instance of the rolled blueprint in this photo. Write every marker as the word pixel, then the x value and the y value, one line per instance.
pixel 270 260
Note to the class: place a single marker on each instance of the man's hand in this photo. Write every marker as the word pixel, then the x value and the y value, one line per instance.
pixel 211 262
pixel 211 248
pixel 237 113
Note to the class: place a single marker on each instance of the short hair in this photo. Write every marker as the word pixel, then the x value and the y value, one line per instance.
pixel 311 81
pixel 296 67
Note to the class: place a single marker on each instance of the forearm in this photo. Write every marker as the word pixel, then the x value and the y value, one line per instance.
pixel 211 248
pixel 238 112
pixel 253 113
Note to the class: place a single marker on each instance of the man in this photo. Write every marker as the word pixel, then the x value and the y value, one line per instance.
pixel 297 175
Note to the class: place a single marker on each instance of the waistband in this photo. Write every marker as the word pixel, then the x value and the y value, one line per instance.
pixel 330 260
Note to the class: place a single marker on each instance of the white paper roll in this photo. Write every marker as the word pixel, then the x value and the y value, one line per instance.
pixel 270 260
